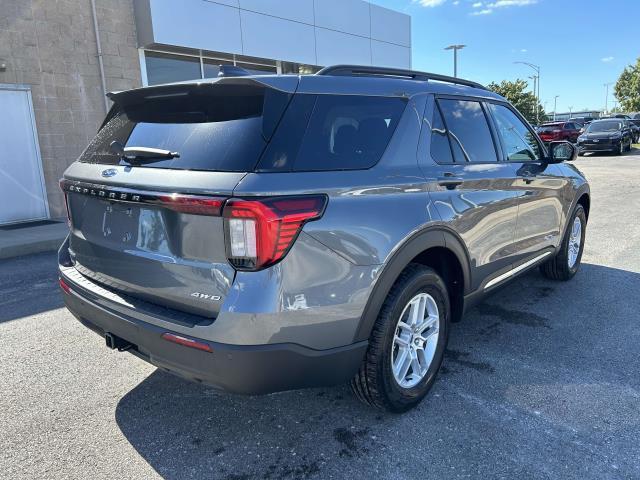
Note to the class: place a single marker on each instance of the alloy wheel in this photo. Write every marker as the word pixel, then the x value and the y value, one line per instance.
pixel 575 241
pixel 415 340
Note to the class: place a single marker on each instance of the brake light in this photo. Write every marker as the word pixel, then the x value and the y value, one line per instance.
pixel 193 204
pixel 259 233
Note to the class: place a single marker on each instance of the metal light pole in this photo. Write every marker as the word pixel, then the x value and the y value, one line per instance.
pixel 555 103
pixel 570 108
pixel 537 94
pixel 606 97
pixel 455 49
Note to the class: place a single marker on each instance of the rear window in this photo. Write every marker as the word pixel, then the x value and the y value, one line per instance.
pixel 226 130
pixel 604 126
pixel 333 132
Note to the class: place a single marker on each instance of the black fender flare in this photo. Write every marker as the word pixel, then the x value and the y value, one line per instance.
pixel 579 193
pixel 430 237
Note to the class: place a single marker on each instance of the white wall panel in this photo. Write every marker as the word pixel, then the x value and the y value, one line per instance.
pixel 196 24
pixel 388 55
pixel 319 32
pixel 272 37
pixel 351 16
pixel 336 47
pixel 297 10
pixel 390 26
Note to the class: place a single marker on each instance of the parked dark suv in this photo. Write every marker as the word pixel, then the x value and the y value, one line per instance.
pixel 268 233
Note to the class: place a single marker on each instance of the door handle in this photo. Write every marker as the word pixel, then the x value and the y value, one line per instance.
pixel 450 181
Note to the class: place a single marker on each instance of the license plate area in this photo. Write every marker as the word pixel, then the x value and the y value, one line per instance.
pixel 120 223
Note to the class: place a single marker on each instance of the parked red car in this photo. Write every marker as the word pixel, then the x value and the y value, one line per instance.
pixel 556 131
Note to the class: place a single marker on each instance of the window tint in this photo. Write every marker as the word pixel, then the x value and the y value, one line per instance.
pixel 468 130
pixel 440 147
pixel 569 126
pixel 519 143
pixel 222 131
pixel 333 132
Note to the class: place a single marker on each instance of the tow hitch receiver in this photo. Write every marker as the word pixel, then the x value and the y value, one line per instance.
pixel 115 342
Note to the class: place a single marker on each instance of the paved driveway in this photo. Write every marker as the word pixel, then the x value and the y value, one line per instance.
pixel 540 381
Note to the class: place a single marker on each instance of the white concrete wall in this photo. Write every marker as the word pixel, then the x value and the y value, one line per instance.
pixel 318 32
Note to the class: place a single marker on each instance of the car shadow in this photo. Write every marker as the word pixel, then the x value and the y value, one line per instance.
pixel 28 286
pixel 503 353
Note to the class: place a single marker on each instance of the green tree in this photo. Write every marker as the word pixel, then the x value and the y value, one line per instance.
pixel 525 101
pixel 627 89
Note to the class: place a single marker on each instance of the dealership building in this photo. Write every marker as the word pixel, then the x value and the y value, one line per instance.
pixel 57 60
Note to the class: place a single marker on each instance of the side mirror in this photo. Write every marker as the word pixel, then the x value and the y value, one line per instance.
pixel 562 152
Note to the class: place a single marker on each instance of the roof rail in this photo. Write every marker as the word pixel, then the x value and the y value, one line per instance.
pixel 362 70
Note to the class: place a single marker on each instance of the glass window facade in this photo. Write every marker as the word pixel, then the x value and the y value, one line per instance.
pixel 167 67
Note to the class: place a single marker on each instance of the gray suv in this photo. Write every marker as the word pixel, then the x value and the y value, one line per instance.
pixel 266 233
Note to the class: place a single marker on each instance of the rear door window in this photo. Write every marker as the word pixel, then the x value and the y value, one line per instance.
pixel 333 132
pixel 440 146
pixel 468 131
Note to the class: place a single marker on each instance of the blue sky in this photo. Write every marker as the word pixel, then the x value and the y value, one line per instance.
pixel 579 44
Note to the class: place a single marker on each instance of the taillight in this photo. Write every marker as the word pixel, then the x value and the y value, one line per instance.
pixel 260 232
pixel 193 204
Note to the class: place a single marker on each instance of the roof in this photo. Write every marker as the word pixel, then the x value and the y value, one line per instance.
pixel 340 79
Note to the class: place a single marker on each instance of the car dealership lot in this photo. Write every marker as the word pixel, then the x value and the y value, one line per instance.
pixel 540 381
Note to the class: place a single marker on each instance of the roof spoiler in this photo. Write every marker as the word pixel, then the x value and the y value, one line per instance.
pixel 288 84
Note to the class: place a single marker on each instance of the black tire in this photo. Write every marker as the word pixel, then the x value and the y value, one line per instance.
pixel 620 150
pixel 558 267
pixel 375 384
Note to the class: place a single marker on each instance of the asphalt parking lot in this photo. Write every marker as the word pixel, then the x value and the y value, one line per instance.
pixel 540 381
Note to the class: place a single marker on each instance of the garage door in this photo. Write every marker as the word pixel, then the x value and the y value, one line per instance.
pixel 22 192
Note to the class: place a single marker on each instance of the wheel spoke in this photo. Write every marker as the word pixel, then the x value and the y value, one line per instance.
pixel 417 369
pixel 404 326
pixel 404 368
pixel 431 333
pixel 402 342
pixel 401 364
pixel 416 313
pixel 428 322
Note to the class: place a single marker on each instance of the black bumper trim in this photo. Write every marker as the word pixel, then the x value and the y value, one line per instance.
pixel 246 369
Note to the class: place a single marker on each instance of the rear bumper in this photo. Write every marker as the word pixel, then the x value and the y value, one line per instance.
pixel 255 369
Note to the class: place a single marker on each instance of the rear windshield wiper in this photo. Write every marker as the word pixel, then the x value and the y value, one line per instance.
pixel 142 154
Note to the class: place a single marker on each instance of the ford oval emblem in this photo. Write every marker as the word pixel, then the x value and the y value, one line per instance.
pixel 109 172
